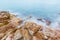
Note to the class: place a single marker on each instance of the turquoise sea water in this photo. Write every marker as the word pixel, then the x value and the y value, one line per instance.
pixel 48 9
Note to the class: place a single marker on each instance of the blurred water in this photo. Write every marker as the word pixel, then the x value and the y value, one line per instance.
pixel 47 9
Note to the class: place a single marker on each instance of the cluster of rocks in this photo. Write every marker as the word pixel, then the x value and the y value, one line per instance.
pixel 28 31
